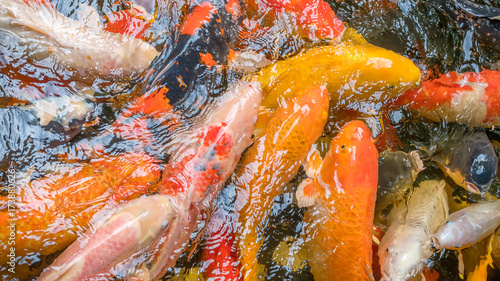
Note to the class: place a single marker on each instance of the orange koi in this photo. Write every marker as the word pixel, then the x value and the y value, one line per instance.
pixel 270 163
pixel 50 212
pixel 468 98
pixel 341 196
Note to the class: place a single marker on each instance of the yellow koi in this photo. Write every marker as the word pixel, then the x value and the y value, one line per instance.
pixel 270 163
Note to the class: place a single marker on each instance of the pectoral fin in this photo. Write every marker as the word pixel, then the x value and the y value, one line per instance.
pixel 306 193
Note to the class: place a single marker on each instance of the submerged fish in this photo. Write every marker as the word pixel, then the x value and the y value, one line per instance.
pixel 406 245
pixel 193 68
pixel 315 18
pixel 396 173
pixel 42 124
pixel 467 156
pixel 40 35
pixel 339 221
pixel 468 226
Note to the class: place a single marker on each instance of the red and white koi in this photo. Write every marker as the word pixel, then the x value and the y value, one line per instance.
pixel 468 98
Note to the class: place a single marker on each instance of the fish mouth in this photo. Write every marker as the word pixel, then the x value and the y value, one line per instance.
pixel 435 243
pixel 471 187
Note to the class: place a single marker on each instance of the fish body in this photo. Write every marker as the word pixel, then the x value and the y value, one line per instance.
pixel 406 245
pixel 284 143
pixel 468 226
pixel 39 31
pixel 397 172
pixel 339 222
pixel 352 73
pixel 206 156
pixel 469 98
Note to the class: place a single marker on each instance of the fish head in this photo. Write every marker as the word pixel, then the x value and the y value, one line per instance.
pixel 465 155
pixel 397 171
pixel 395 168
pixel 481 167
pixel 351 150
pixel 474 166
pixel 399 259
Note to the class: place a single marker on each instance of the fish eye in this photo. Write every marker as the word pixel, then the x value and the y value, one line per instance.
pixel 483 166
pixel 74 123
